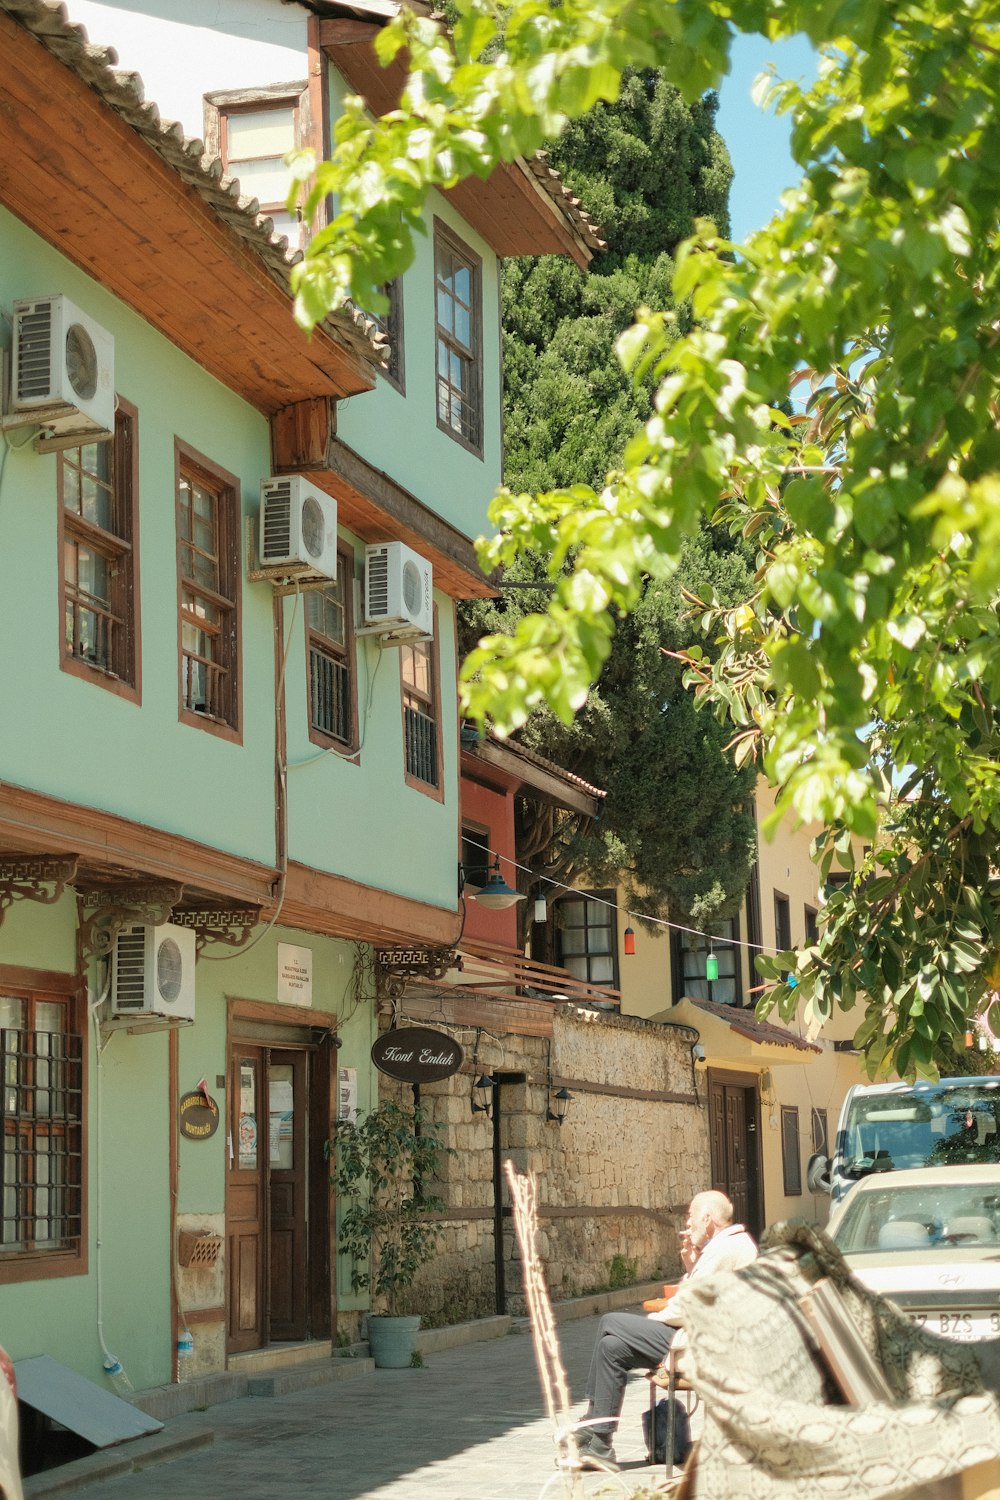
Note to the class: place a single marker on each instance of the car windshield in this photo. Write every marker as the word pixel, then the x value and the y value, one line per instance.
pixel 955 1215
pixel 930 1126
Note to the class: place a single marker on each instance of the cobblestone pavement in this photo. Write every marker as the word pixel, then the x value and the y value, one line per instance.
pixel 468 1426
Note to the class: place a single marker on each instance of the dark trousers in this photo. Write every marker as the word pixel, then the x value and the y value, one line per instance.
pixel 625 1341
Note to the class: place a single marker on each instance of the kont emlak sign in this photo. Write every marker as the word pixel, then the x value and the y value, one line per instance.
pixel 416 1054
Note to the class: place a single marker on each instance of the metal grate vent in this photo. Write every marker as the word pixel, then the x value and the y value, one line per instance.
pixel 413 593
pixel 34 353
pixel 169 970
pixel 378 584
pixel 277 523
pixel 130 972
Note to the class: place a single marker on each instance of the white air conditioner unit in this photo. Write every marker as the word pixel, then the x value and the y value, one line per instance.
pixel 63 370
pixel 152 972
pixel 298 527
pixel 399 598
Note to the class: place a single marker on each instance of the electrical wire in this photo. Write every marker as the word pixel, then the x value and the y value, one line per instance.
pixel 281 766
pixel 637 916
pixel 113 1367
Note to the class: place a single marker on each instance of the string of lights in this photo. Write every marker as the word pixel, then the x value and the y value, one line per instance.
pixel 711 938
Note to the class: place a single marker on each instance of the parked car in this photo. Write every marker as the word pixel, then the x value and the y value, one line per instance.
pixel 929 1240
pixel 10 1466
pixel 885 1127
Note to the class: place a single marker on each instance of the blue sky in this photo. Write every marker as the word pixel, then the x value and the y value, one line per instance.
pixel 758 142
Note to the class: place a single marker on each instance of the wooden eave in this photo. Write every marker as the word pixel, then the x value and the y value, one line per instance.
pixel 114 851
pixel 548 782
pixel 131 203
pixel 370 502
pixel 510 209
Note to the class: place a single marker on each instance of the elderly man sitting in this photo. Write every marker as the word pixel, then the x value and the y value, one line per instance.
pixel 710 1241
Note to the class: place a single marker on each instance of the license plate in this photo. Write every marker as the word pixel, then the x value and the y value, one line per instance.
pixel 964 1327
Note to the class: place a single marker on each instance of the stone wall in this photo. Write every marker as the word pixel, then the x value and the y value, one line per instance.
pixel 614 1180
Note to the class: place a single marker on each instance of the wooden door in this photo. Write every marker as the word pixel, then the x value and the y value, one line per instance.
pixel 734 1136
pixel 287 1111
pixel 246 1198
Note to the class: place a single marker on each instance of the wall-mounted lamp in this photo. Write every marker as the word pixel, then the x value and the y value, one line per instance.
pixel 698 1055
pixel 628 940
pixel 482 1095
pixel 559 1104
pixel 496 893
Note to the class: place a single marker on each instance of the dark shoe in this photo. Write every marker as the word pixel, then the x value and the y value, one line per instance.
pixel 595 1451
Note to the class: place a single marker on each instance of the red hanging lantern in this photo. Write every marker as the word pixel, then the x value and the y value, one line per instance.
pixel 629 943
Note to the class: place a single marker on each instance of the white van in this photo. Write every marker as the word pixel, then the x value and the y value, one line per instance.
pixel 886 1126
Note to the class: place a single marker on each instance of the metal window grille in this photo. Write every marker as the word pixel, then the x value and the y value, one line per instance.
pixel 420 733
pixel 42 1168
pixel 329 695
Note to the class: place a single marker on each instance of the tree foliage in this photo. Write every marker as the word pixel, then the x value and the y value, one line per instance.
pixel 872 647
pixel 676 830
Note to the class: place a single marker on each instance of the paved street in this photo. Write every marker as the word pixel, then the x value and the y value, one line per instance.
pixel 469 1426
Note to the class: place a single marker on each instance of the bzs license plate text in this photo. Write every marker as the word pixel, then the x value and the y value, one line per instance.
pixel 960 1325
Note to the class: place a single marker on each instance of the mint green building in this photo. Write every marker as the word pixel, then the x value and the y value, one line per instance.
pixel 229 564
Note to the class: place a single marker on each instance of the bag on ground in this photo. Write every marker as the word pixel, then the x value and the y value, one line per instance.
pixel 682 1432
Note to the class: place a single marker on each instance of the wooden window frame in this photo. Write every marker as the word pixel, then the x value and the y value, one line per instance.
pixel 604 902
pixel 34 986
pixel 791 1159
pixel 121 546
pixel 475 836
pixel 782 917
pixel 219 105
pixel 189 463
pixel 346 655
pixel 391 323
pixel 732 942
pixel 435 791
pixel 471 354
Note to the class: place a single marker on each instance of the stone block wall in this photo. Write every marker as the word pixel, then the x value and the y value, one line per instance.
pixel 614 1180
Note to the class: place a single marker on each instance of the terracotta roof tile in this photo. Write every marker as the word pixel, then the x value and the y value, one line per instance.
pixel 745 1023
pixel 124 92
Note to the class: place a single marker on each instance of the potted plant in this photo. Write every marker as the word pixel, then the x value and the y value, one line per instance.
pixel 383 1165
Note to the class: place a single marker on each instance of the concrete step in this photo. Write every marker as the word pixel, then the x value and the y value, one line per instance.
pixel 279 1357
pixel 305 1377
pixel 166 1401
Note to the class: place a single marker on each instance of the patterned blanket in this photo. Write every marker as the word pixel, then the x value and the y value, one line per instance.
pixel 776 1427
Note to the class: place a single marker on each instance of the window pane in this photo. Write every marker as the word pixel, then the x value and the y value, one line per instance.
pixel 281 1142
pixel 248 1114
pixel 602 970
pixel 11 1013
pixel 261 132
pixel 268 181
pixel 11 1232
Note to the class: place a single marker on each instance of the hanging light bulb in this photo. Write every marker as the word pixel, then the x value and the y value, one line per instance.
pixel 629 940
pixel 711 967
pixel 541 911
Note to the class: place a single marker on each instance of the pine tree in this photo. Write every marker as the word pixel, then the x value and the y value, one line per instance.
pixel 677 830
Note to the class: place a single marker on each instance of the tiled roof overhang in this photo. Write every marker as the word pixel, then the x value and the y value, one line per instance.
pixel 92 168
pixel 522 208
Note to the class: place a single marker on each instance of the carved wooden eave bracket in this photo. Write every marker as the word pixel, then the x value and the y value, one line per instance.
pixel 232 926
pixel 34 877
pixel 394 966
pixel 107 910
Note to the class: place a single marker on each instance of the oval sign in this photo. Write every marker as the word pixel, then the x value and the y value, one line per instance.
pixel 198 1116
pixel 417 1054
